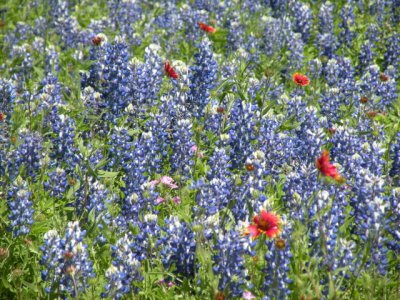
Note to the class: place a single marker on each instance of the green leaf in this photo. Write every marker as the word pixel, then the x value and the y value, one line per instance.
pixel 107 174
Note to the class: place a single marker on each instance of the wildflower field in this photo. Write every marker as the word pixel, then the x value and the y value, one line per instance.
pixel 199 149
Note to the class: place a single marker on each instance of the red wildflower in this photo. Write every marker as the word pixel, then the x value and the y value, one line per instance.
pixel 326 168
pixel 207 28
pixel 68 255
pixel 97 40
pixel 249 167
pixel 170 71
pixel 383 77
pixel 280 244
pixel 219 296
pixel 300 79
pixel 220 110
pixel 267 223
pixel 2 117
pixel 332 130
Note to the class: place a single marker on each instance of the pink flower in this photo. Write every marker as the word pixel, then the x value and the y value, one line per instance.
pixel 168 284
pixel 195 149
pixel 169 182
pixel 160 200
pixel 154 182
pixel 248 295
pixel 177 200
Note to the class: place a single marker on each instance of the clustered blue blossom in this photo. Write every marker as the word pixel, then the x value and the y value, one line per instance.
pixel 67 267
pixel 57 183
pixel 215 194
pixel 229 264
pixel 178 247
pixel 202 78
pixel 277 266
pixel 26 157
pixel 19 200
pixel 124 270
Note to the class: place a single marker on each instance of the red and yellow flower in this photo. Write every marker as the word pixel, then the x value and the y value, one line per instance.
pixel 207 28
pixel 300 79
pixel 326 168
pixel 267 223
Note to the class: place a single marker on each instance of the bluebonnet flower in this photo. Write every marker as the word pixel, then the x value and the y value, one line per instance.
pixel 190 18
pixel 92 100
pixel 340 77
pixel 340 73
pixel 302 15
pixel 21 207
pixel 394 7
pixel 393 241
pixel 120 148
pixel 97 54
pixel 229 263
pixel 236 31
pixel 7 96
pixel 373 33
pixel 147 77
pixel 215 194
pixel 66 262
pixel 182 156
pixel 382 93
pixel 70 33
pixel 326 41
pixel 345 257
pixel 117 90
pixel 169 20
pixel 57 183
pixel 278 6
pixel 26 157
pixel 49 96
pixel 58 9
pixel 296 56
pixel 362 161
pixel 202 78
pixel 178 247
pixel 241 122
pixel 392 54
pixel 316 68
pixel 347 22
pixel 7 100
pixel 252 190
pixel 52 63
pixel 366 56
pixel 324 230
pixel 92 198
pixel 215 114
pixel 277 34
pixel 124 270
pixel 124 14
pixel 209 5
pixel 273 144
pixel 63 134
pixel 378 10
pixel 395 156
pixel 277 266
pixel 24 54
